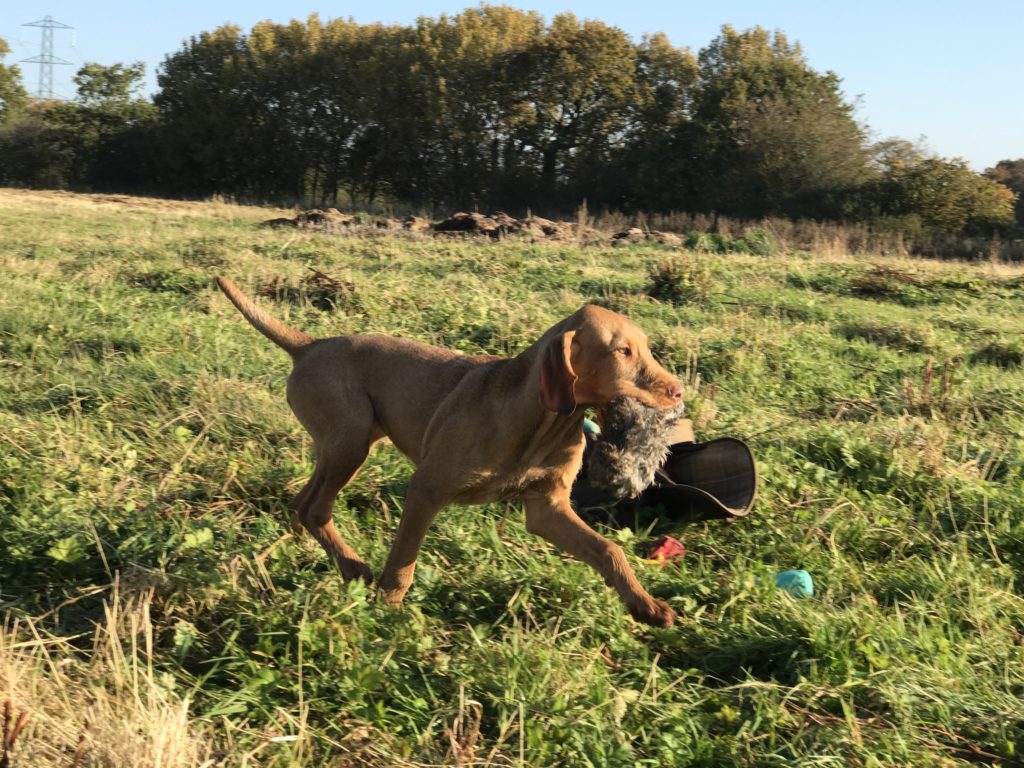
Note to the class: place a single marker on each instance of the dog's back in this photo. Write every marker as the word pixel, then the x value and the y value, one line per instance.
pixel 402 382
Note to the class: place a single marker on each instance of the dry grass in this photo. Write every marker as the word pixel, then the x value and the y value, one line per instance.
pixel 47 200
pixel 104 707
pixel 825 238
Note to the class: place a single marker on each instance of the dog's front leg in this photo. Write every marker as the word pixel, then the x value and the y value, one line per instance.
pixel 421 504
pixel 553 518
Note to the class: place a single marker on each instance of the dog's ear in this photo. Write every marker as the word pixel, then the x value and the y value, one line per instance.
pixel 557 378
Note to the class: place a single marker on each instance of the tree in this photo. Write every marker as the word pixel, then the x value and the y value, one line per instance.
pixel 578 98
pixel 33 152
pixel 108 131
pixel 493 108
pixel 100 86
pixel 338 107
pixel 895 153
pixel 13 96
pixel 273 115
pixel 774 136
pixel 935 194
pixel 1010 173
pixel 470 74
pixel 653 170
pixel 203 112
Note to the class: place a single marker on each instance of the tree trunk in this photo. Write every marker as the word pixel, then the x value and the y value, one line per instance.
pixel 547 175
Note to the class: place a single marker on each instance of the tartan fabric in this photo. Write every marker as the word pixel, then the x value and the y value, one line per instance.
pixel 700 480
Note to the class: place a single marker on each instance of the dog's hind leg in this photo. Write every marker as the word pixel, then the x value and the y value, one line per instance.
pixel 336 464
pixel 343 430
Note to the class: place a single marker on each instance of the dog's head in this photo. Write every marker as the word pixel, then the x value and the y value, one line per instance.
pixel 597 356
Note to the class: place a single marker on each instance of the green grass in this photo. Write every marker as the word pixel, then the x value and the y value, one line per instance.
pixel 145 441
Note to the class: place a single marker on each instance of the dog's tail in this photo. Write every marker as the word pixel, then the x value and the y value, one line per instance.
pixel 287 338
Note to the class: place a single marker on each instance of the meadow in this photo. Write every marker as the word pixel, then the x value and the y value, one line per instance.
pixel 156 611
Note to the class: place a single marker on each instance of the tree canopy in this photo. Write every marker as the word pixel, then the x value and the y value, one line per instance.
pixel 101 140
pixel 1010 173
pixel 13 96
pixel 493 107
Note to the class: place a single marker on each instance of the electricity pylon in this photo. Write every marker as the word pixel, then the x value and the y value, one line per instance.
pixel 46 59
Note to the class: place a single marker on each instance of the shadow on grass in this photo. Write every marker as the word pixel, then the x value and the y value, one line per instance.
pixel 734 658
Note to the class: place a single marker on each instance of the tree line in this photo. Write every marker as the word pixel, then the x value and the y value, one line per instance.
pixel 493 108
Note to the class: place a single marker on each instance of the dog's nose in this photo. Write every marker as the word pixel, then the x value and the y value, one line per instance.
pixel 675 391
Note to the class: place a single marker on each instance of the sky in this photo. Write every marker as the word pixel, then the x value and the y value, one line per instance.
pixel 950 74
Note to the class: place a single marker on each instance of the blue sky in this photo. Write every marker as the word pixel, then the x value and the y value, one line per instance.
pixel 951 72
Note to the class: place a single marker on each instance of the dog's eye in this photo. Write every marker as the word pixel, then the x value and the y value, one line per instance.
pixel 625 351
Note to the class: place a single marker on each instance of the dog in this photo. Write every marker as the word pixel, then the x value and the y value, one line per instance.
pixel 440 408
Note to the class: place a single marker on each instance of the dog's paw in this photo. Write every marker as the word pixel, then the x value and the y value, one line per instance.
pixel 391 596
pixel 657 613
pixel 355 569
pixel 391 590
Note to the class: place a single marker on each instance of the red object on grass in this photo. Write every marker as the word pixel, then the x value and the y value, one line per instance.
pixel 667 550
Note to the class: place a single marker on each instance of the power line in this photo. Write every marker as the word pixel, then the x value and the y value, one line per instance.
pixel 46 59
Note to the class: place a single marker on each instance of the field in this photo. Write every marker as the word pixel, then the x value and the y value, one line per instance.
pixel 157 613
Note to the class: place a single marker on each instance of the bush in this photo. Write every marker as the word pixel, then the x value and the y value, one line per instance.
pixel 757 241
pixel 34 154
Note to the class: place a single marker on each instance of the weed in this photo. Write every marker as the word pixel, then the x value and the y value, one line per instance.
pixel 679 282
pixel 934 390
pixel 761 242
pixel 205 252
pixel 172 281
pixel 319 290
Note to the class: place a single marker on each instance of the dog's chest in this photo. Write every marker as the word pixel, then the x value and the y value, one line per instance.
pixel 488 487
pixel 522 474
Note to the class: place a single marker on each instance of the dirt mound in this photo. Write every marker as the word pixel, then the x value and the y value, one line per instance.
pixel 315 218
pixel 637 235
pixel 470 222
pixel 415 223
pixel 318 289
pixel 500 224
pixel 496 226
pixel 667 238
pixel 628 236
pixel 333 220
pixel 279 222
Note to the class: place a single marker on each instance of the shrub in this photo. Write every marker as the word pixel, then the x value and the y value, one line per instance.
pixel 757 240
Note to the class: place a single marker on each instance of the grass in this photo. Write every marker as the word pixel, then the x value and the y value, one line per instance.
pixel 157 613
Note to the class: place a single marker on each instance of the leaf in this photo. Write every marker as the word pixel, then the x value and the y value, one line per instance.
pixel 67 550
pixel 197 539
pixel 185 635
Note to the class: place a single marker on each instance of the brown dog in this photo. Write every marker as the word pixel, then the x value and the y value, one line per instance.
pixel 479 429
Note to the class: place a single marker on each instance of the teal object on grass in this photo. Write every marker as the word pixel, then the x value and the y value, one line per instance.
pixel 590 427
pixel 798 583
